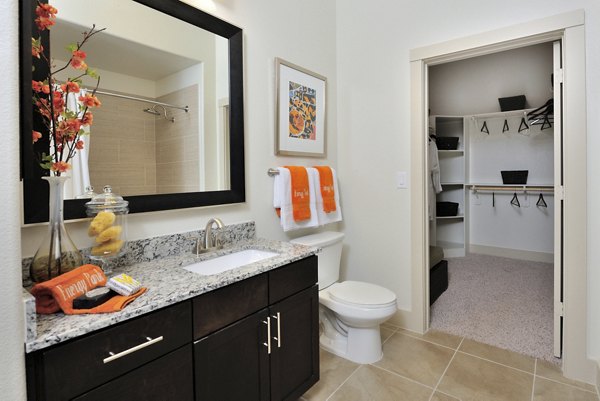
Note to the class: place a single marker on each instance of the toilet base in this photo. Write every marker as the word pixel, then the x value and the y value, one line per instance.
pixel 361 345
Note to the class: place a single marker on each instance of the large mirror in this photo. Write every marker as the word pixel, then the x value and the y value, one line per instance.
pixel 169 133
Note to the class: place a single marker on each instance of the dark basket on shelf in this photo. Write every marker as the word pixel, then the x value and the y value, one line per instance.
pixel 447 142
pixel 512 103
pixel 514 176
pixel 446 209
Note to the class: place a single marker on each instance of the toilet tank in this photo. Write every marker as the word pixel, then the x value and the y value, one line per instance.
pixel 329 257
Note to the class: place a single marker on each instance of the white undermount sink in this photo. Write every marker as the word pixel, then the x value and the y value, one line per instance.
pixel 230 261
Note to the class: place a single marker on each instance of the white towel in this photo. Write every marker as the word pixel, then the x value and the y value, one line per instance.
pixel 331 217
pixel 282 198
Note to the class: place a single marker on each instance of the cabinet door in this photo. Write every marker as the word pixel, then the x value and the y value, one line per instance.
pixel 232 364
pixel 295 345
pixel 168 378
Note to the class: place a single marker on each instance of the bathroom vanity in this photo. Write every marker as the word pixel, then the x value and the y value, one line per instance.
pixel 250 333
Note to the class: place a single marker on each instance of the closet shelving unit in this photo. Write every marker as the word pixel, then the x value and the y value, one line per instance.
pixel 460 182
pixel 449 232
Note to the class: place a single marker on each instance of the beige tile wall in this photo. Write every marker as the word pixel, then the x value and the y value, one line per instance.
pixel 177 144
pixel 122 147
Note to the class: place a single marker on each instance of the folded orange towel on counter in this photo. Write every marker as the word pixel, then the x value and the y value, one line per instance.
pixel 300 193
pixel 58 294
pixel 327 191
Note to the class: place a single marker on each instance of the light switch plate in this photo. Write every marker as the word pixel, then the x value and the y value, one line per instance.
pixel 401 180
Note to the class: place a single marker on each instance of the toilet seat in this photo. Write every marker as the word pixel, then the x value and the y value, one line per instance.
pixel 360 294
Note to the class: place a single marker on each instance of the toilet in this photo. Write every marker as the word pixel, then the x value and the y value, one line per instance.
pixel 350 312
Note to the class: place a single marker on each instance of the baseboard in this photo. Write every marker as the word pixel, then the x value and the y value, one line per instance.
pixel 406 320
pixel 598 376
pixel 520 254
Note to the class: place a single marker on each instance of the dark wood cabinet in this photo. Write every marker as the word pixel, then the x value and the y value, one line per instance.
pixel 295 345
pixel 254 340
pixel 272 354
pixel 233 364
pixel 168 378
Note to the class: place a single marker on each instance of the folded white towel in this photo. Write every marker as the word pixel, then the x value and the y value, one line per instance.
pixel 282 198
pixel 331 217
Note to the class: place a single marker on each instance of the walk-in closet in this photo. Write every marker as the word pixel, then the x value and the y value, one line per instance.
pixel 491 203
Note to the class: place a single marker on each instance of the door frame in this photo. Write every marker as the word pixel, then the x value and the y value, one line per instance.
pixel 569 28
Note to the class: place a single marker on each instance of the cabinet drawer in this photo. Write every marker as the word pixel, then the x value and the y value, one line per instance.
pixel 293 278
pixel 218 308
pixel 169 378
pixel 71 369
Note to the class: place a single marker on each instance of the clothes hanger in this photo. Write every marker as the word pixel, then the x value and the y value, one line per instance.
pixel 493 199
pixel 506 127
pixel 546 123
pixel 484 128
pixel 523 123
pixel 541 202
pixel 515 200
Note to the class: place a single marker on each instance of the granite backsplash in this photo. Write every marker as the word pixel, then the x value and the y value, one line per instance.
pixel 149 249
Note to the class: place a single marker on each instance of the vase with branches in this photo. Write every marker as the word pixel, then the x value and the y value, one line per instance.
pixel 63 127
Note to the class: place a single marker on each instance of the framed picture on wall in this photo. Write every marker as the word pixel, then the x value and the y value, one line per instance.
pixel 300 111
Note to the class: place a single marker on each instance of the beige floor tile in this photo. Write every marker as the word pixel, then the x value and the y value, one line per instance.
pixel 437 337
pixel 474 379
pixel 386 332
pixel 442 397
pixel 499 355
pixel 334 370
pixel 552 371
pixel 370 383
pixel 418 360
pixel 546 390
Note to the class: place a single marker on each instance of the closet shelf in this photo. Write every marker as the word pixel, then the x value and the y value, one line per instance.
pixel 511 187
pixel 447 184
pixel 504 114
pixel 451 151
pixel 459 217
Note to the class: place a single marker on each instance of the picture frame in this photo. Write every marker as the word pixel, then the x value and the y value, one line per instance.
pixel 300 111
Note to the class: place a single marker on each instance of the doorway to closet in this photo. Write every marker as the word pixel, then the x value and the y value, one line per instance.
pixel 494 142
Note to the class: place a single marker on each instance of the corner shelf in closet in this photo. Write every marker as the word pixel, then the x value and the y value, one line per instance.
pixel 449 232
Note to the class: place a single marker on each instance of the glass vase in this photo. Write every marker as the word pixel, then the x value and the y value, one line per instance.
pixel 57 254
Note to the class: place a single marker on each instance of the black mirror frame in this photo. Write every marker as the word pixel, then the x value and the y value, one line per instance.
pixel 35 190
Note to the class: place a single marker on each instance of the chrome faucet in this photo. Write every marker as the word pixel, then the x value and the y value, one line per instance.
pixel 210 242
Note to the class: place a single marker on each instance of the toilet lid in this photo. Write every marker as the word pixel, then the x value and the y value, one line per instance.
pixel 359 293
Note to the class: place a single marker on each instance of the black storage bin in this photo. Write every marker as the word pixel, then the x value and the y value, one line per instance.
pixel 512 103
pixel 446 209
pixel 438 280
pixel 514 176
pixel 447 142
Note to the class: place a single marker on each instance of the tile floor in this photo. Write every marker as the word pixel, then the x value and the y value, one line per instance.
pixel 442 367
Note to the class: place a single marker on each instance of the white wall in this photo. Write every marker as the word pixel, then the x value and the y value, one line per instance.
pixel 12 363
pixel 473 86
pixel 267 34
pixel 374 109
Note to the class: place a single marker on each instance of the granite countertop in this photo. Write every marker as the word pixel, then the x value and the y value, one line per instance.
pixel 167 284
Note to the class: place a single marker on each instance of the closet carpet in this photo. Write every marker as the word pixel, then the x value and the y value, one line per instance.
pixel 499 301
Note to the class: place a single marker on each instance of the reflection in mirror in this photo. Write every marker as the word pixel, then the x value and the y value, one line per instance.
pixel 171 55
pixel 163 124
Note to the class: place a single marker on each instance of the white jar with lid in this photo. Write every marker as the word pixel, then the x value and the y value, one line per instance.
pixel 108 227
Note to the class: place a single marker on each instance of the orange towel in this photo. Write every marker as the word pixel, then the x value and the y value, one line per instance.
pixel 53 295
pixel 300 192
pixel 327 191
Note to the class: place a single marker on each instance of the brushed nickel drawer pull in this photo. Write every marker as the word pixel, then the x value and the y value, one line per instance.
pixel 268 343
pixel 114 356
pixel 278 338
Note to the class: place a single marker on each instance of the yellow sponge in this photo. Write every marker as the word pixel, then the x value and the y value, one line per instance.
pixel 101 222
pixel 111 233
pixel 107 248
